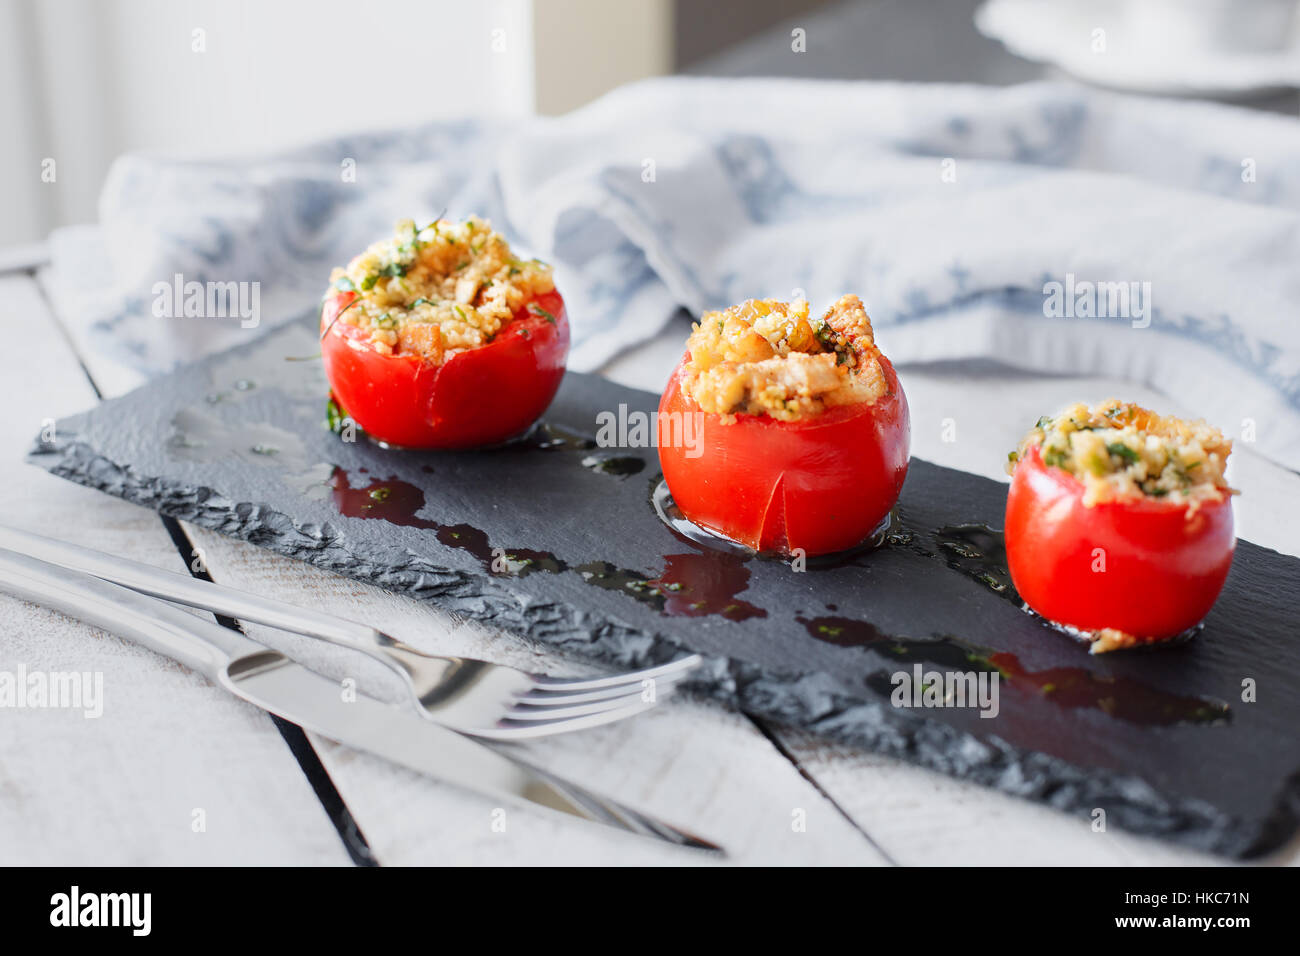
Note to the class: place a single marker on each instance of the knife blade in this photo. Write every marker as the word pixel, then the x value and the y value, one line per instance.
pixel 278 684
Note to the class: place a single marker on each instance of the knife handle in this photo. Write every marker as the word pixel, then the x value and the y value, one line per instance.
pixel 202 646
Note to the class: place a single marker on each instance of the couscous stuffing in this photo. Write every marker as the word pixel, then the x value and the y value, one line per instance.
pixel 438 290
pixel 1121 451
pixel 764 357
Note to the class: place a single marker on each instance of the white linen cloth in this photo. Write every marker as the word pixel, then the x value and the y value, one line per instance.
pixel 950 209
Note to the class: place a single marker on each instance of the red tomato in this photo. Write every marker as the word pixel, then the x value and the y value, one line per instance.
pixel 822 484
pixel 1143 567
pixel 478 397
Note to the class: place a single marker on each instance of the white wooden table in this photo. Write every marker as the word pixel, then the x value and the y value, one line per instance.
pixel 176 771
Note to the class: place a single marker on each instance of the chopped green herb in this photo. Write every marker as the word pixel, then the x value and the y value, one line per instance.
pixel 411 245
pixel 335 416
pixel 1123 451
pixel 539 311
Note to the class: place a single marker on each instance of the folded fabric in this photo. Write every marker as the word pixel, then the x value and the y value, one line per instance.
pixel 1046 226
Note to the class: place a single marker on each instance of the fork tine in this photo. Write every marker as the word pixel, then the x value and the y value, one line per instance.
pixel 682 665
pixel 547 698
pixel 525 710
pixel 509 729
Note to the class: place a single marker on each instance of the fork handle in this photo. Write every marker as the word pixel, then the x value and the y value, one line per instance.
pixel 210 596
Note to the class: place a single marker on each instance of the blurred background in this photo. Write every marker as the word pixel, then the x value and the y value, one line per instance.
pixel 86 80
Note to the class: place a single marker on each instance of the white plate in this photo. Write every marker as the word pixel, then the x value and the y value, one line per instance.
pixel 1154 46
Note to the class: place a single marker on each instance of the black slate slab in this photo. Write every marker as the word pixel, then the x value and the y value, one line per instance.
pixel 558 540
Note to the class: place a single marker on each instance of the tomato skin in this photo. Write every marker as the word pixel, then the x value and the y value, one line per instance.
pixel 821 485
pixel 1163 570
pixel 478 397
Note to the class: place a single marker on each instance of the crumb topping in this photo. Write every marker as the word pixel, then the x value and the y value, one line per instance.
pixel 1121 451
pixel 765 357
pixel 440 289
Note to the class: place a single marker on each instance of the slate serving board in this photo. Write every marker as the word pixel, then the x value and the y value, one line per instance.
pixel 559 540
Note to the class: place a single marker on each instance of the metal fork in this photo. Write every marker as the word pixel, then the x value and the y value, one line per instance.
pixel 472 696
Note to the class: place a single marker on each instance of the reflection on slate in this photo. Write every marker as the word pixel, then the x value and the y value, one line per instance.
pixel 558 539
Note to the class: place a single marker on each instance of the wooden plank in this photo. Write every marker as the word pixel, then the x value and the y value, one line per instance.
pixel 929 819
pixel 122 788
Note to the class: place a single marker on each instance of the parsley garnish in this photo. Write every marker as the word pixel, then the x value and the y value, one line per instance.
pixel 539 311
pixel 1123 451
pixel 335 416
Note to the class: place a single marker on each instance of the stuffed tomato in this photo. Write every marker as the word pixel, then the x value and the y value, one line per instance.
pixel 441 338
pixel 782 432
pixel 1119 522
